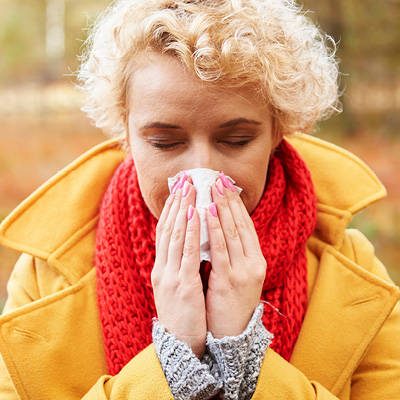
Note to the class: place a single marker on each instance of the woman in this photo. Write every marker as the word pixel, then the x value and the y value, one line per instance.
pixel 292 305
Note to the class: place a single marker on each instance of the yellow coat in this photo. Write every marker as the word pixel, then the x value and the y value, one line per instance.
pixel 50 334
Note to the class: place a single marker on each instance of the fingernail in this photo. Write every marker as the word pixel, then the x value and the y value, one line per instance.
pixel 224 180
pixel 182 180
pixel 180 183
pixel 213 209
pixel 175 188
pixel 227 183
pixel 220 187
pixel 186 189
pixel 190 212
pixel 231 186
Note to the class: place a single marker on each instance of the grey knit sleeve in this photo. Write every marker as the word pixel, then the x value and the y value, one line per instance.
pixel 188 377
pixel 239 358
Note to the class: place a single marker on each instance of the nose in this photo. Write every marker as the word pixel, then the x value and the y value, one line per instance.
pixel 203 155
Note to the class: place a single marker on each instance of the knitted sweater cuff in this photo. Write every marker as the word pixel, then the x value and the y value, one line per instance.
pixel 239 358
pixel 188 377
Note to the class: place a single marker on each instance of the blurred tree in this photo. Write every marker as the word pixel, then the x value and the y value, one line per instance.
pixel 55 29
pixel 32 35
pixel 21 36
pixel 368 34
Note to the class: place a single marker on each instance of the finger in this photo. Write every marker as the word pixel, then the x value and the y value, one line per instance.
pixel 243 221
pixel 166 210
pixel 191 250
pixel 218 250
pixel 244 224
pixel 163 218
pixel 177 237
pixel 165 230
pixel 230 232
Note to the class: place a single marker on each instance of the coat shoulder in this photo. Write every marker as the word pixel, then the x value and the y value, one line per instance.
pixel 32 279
pixel 334 170
pixel 359 249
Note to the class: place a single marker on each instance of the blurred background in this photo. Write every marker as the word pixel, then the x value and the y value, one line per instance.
pixel 42 128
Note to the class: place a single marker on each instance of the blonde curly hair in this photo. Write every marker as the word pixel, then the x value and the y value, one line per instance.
pixel 267 43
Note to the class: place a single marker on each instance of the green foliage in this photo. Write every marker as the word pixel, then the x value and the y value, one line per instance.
pixel 368 226
pixel 23 39
pixel 368 32
pixel 21 32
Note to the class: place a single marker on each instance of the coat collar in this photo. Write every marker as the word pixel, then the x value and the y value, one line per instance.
pixel 49 224
pixel 344 184
pixel 340 324
pixel 58 219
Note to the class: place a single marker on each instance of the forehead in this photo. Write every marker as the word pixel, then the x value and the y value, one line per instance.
pixel 163 75
pixel 161 83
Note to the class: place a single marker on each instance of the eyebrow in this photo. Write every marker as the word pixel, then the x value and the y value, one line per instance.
pixel 233 122
pixel 161 125
pixel 239 121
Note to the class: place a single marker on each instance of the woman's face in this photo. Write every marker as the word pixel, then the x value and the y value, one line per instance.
pixel 177 122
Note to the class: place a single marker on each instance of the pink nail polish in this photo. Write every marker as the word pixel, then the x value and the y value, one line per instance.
pixel 224 180
pixel 213 209
pixel 182 180
pixel 180 183
pixel 220 187
pixel 175 188
pixel 231 186
pixel 186 189
pixel 190 212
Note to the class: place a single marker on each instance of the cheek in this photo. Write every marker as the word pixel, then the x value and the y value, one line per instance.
pixel 153 183
pixel 154 191
pixel 253 189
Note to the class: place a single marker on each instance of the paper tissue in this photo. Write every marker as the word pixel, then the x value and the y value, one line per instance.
pixel 203 179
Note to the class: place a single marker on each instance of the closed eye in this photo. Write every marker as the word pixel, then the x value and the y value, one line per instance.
pixel 165 145
pixel 236 141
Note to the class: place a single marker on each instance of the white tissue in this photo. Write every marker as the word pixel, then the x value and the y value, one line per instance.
pixel 203 179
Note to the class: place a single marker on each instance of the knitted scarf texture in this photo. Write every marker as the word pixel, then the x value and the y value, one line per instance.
pixel 284 219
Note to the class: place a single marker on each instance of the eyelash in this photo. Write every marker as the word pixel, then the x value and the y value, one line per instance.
pixel 168 146
pixel 238 143
pixel 159 145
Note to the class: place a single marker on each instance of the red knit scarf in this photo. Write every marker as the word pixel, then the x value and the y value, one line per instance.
pixel 284 219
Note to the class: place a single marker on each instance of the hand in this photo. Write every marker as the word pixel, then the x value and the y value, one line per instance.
pixel 238 266
pixel 178 290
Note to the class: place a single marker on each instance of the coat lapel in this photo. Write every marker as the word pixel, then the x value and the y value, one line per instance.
pixel 57 339
pixel 340 322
